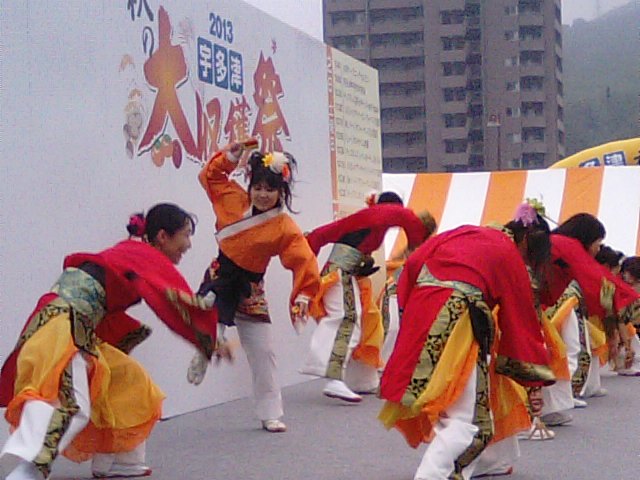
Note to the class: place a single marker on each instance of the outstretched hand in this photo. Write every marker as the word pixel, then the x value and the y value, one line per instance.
pixel 299 315
pixel 197 368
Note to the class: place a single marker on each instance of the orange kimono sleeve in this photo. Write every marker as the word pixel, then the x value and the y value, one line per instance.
pixel 296 255
pixel 229 200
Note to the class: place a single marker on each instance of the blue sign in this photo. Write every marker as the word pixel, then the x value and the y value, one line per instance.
pixel 205 60
pixel 221 66
pixel 236 76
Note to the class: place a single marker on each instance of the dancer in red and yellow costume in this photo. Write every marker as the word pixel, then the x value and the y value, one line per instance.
pixel 345 347
pixel 69 386
pixel 437 382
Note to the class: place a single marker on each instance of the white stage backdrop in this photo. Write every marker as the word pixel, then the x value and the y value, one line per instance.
pixel 109 107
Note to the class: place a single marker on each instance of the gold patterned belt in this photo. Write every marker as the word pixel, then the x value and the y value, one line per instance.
pixel 426 279
pixel 345 257
pixel 83 293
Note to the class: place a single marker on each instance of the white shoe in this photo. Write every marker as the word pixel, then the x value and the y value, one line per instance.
pixel 274 426
pixel 628 372
pixel 124 470
pixel 601 392
pixel 577 403
pixel 556 419
pixel 338 389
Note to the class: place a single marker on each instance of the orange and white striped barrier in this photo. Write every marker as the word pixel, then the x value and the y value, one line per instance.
pixel 610 193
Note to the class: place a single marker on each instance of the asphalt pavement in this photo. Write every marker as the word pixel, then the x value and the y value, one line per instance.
pixel 329 440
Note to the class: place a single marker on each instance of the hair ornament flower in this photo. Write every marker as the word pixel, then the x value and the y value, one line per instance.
pixel 138 225
pixel 276 162
pixel 267 160
pixel 372 198
pixel 537 206
pixel 286 173
pixel 528 212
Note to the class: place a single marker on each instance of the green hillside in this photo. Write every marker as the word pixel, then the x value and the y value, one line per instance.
pixel 601 62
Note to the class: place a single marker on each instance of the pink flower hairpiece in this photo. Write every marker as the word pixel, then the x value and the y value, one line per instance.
pixel 526 214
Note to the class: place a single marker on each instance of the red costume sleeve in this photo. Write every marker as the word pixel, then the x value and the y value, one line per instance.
pixel 377 218
pixel 154 278
pixel 571 261
pixel 521 335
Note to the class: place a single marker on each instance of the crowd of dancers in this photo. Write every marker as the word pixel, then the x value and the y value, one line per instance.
pixel 480 337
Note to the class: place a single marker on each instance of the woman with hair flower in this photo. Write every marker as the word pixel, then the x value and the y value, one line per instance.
pixel 69 385
pixel 442 379
pixel 252 227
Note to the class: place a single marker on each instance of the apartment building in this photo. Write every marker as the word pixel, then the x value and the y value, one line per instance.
pixel 465 85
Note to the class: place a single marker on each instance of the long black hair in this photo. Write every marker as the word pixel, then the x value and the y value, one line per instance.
pixel 537 236
pixel 263 174
pixel 583 227
pixel 163 216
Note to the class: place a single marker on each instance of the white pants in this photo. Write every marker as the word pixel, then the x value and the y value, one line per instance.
pixel 26 442
pixel 257 341
pixel 454 433
pixel 358 376
pixel 394 327
pixel 559 396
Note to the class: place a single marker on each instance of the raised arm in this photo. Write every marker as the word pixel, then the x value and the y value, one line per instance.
pixel 228 199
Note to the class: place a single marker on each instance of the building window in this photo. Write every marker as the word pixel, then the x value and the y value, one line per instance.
pixel 476 161
pixel 511 35
pixel 513 112
pixel 513 86
pixel 531 57
pixel 453 68
pixel 533 160
pixel 453 43
pixel 455 120
pixel 456 94
pixel 456 146
pixel 533 134
pixel 353 41
pixel 530 32
pixel 532 83
pixel 532 109
pixel 530 6
pixel 511 62
pixel 452 17
pixel 511 10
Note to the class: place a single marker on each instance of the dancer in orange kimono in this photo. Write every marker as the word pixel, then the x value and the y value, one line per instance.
pixel 252 227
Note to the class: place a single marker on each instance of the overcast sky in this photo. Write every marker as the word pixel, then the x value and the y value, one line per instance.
pixel 587 9
pixel 306 15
